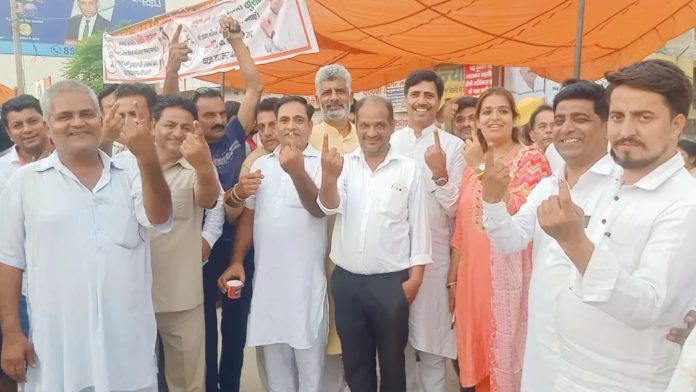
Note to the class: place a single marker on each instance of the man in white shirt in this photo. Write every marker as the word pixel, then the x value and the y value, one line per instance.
pixel 633 269
pixel 75 222
pixel 580 115
pixel 288 316
pixel 381 243
pixel 438 155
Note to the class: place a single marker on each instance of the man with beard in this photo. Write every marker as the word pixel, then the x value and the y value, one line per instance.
pixel 226 138
pixel 633 268
pixel 438 156
pixel 333 91
pixel 465 117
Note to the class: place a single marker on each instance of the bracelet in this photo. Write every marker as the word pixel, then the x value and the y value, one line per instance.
pixel 235 195
pixel 451 285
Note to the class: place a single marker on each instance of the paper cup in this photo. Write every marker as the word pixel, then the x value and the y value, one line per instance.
pixel 234 289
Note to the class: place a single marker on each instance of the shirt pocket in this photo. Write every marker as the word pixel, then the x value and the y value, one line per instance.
pixel 394 199
pixel 123 227
pixel 624 253
pixel 182 200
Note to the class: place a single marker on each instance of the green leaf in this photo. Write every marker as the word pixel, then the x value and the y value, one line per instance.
pixel 86 64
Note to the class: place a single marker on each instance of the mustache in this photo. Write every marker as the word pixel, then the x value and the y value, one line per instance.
pixel 630 140
pixel 218 127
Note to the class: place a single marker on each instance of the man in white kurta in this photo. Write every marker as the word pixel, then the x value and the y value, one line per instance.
pixel 86 255
pixel 430 331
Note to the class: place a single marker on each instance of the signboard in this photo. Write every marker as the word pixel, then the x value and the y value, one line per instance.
pixel 53 27
pixel 477 79
pixel 273 31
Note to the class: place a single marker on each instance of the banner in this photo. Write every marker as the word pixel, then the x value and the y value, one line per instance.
pixel 522 82
pixel 273 30
pixel 53 27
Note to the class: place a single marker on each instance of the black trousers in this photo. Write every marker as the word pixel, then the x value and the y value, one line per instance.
pixel 372 319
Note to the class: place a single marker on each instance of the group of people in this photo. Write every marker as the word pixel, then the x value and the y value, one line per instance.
pixel 371 258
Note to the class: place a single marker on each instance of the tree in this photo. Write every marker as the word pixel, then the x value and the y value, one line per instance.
pixel 86 64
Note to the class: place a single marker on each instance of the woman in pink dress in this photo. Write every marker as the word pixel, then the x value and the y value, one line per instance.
pixel 488 290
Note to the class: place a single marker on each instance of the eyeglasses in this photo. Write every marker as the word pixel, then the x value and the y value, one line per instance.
pixel 207 90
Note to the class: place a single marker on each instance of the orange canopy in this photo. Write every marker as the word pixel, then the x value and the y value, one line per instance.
pixel 6 93
pixel 381 41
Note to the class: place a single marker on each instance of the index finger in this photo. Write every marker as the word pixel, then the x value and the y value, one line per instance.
pixel 563 191
pixel 325 147
pixel 437 139
pixel 177 33
pixel 112 111
pixel 138 118
pixel 490 159
pixel 197 130
pixel 292 141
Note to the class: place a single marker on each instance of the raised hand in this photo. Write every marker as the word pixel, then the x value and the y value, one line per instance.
pixel 267 27
pixel 195 149
pixel 291 159
pixel 248 184
pixel 495 180
pixel 136 135
pixel 331 161
pixel 447 111
pixel 473 151
pixel 112 124
pixel 560 218
pixel 231 29
pixel 178 52
pixel 436 158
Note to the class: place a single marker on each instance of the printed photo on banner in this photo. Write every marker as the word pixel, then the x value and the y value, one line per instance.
pixel 88 17
pixel 273 30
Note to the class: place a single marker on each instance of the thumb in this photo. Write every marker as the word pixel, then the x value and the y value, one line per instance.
pixel 30 356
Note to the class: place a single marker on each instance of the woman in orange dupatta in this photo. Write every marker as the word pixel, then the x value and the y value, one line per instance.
pixel 488 290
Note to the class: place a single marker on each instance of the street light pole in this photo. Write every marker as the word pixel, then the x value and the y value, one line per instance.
pixel 578 38
pixel 14 20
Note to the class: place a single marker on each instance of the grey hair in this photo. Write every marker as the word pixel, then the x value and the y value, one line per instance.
pixel 62 86
pixel 332 72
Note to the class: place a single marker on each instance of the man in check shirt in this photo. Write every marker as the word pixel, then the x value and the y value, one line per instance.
pixel 381 243
pixel 633 269
pixel 581 111
pixel 438 156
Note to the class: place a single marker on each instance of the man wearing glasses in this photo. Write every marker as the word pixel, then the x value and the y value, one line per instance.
pixel 226 138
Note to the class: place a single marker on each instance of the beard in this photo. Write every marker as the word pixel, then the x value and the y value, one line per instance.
pixel 335 114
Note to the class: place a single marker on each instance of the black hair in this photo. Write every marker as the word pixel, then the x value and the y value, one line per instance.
pixel 266 105
pixel 173 101
pixel 582 89
pixel 19 103
pixel 465 102
pixel 294 98
pixel 138 90
pixel 689 148
pixel 424 75
pixel 206 92
pixel 106 91
pixel 532 118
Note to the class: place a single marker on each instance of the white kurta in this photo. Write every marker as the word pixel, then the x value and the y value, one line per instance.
pixel 639 283
pixel 430 319
pixel 87 259
pixel 550 266
pixel 9 164
pixel 289 299
pixel 684 377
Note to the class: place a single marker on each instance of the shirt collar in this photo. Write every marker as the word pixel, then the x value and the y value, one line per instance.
pixel 309 151
pixel 604 166
pixel 427 130
pixel 14 155
pixel 330 128
pixel 662 173
pixel 53 162
pixel 392 155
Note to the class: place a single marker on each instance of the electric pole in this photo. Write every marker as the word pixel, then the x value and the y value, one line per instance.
pixel 14 15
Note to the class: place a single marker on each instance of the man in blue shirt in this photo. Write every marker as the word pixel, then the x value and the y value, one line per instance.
pixel 226 139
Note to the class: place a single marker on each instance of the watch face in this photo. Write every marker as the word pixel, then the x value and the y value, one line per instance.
pixel 482 166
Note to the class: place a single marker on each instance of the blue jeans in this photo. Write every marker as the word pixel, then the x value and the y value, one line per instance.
pixel 24 315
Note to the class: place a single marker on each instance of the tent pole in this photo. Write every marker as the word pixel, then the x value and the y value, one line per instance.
pixel 222 85
pixel 578 38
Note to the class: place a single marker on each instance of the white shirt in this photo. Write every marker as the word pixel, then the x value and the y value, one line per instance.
pixel 429 317
pixel 639 283
pixel 382 223
pixel 213 221
pixel 289 298
pixel 9 164
pixel 83 22
pixel 684 377
pixel 87 258
pixel 555 159
pixel 550 266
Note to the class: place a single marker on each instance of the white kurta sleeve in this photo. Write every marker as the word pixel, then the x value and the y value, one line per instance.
pixel 665 270
pixel 12 232
pixel 421 251
pixel 213 221
pixel 448 194
pixel 137 195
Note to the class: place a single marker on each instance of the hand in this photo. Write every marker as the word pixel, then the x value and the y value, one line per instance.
pixel 248 184
pixel 495 179
pixel 291 159
pixel 411 287
pixel 473 151
pixel 231 29
pixel 137 137
pixel 205 250
pixel 447 111
pixel 436 158
pixel 679 335
pixel 331 161
pixel 560 218
pixel 112 124
pixel 195 149
pixel 452 293
pixel 267 27
pixel 178 52
pixel 234 271
pixel 17 352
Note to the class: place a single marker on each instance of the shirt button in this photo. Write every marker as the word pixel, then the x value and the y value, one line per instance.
pixel 616 198
pixel 604 221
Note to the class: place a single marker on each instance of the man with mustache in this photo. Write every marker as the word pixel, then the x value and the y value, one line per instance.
pixel 465 117
pixel 438 155
pixel 226 138
pixel 541 127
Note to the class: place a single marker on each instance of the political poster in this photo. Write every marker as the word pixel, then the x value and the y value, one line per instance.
pixel 53 27
pixel 273 30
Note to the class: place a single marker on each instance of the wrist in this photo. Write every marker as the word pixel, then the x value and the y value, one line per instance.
pixel 173 73
pixel 491 199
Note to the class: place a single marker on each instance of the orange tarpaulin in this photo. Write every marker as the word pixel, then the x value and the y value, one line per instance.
pixel 5 93
pixel 381 41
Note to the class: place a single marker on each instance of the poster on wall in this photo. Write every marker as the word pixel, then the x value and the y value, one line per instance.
pixel 53 27
pixel 522 82
pixel 273 30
